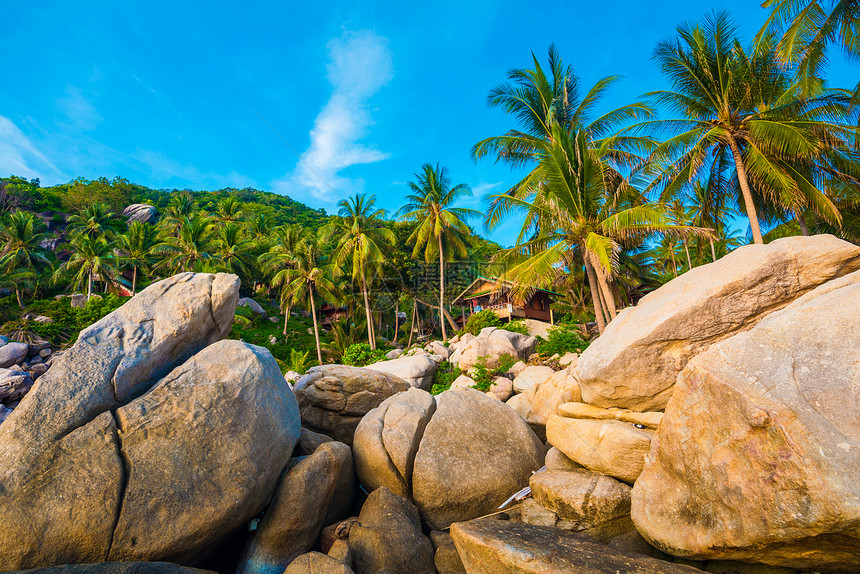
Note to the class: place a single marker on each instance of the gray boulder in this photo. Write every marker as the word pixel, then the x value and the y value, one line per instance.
pixel 140 212
pixel 417 370
pixel 333 398
pixel 253 306
pixel 318 491
pixel 13 353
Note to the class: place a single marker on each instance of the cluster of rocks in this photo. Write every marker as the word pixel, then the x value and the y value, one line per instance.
pixel 21 364
pixel 729 445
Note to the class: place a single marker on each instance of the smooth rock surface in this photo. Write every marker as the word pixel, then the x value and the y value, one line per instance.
pixel 537 403
pixel 417 371
pixel 333 398
pixel 13 353
pixel 318 491
pixel 388 537
pixel 531 376
pixel 758 453
pixel 491 344
pixel 609 447
pixel 489 546
pixel 140 212
pixel 635 362
pixel 475 453
pixel 59 451
pixel 317 563
pixel 203 452
pixel 387 439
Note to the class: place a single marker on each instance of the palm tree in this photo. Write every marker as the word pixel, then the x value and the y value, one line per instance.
pixel 94 221
pixel 260 226
pixel 808 28
pixel 91 258
pixel 136 247
pixel 229 209
pixel 232 248
pixel 181 206
pixel 742 111
pixel 362 241
pixel 190 246
pixel 281 256
pixel 307 280
pixel 22 256
pixel 441 228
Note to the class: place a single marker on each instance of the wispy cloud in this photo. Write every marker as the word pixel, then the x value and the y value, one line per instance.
pixel 19 156
pixel 171 173
pixel 359 65
pixel 79 111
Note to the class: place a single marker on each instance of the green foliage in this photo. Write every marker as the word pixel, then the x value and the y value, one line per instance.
pixel 516 327
pixel 298 361
pixel 360 354
pixel 506 361
pixel 445 374
pixel 67 321
pixel 482 375
pixel 562 339
pixel 482 320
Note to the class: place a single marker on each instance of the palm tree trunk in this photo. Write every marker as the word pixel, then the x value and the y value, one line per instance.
pixel 412 327
pixel 801 221
pixel 316 327
pixel 442 288
pixel 89 286
pixel 20 296
pixel 687 251
pixel 134 282
pixel 745 190
pixel 396 319
pixel 608 297
pixel 713 251
pixel 672 255
pixel 286 320
pixel 371 336
pixel 595 296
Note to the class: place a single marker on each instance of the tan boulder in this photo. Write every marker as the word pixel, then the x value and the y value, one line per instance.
pixel 542 400
pixel 203 452
pixel 417 370
pixel 317 563
pixel 387 439
pixel 333 398
pixel 575 410
pixel 531 376
pixel 635 362
pixel 475 453
pixel 758 453
pixel 491 546
pixel 613 448
pixel 557 460
pixel 594 503
pixel 490 345
pixel 502 388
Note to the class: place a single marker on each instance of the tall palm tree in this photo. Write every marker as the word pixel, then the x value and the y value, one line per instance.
pixel 229 209
pixel 22 256
pixel 308 279
pixel 809 28
pixel 189 247
pixel 362 243
pixel 232 248
pixel 441 229
pixel 91 258
pixel 741 111
pixel 136 247
pixel 93 221
pixel 281 256
pixel 181 205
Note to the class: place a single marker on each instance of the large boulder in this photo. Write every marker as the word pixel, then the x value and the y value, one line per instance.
pixel 531 376
pixel 317 563
pixel 140 212
pixel 203 452
pixel 59 449
pixel 490 546
pixel 475 453
pixel 317 492
pixel 388 537
pixel 252 306
pixel 613 448
pixel 491 345
pixel 458 457
pixel 334 398
pixel 387 438
pixel 635 362
pixel 13 353
pixel 417 370
pixel 118 568
pixel 543 399
pixel 758 454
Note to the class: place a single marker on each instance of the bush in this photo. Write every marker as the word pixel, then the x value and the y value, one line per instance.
pixel 517 327
pixel 562 339
pixel 360 355
pixel 482 375
pixel 445 374
pixel 482 320
pixel 67 322
pixel 506 361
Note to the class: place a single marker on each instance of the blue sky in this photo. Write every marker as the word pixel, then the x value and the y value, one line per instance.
pixel 314 100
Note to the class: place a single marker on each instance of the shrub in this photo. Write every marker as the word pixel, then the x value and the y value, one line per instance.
pixel 560 340
pixel 517 327
pixel 444 376
pixel 482 320
pixel 482 375
pixel 298 361
pixel 506 361
pixel 360 355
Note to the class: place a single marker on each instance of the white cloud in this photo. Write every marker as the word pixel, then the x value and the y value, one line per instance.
pixel 359 65
pixel 18 155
